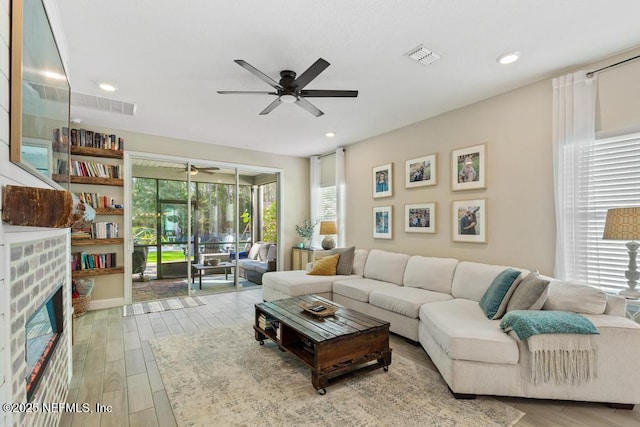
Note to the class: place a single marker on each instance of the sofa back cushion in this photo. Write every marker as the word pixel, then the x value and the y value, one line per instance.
pixel 345 262
pixel 564 296
pixel 385 266
pixel 359 260
pixel 471 279
pixel 272 254
pixel 253 252
pixel 433 274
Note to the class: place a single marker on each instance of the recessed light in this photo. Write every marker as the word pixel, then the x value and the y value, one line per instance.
pixel 108 87
pixel 53 75
pixel 330 134
pixel 508 58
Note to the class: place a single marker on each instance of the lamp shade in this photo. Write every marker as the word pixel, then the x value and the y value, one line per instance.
pixel 328 227
pixel 622 224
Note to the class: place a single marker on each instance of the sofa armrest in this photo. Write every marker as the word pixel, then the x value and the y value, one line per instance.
pixel 616 306
pixel 272 265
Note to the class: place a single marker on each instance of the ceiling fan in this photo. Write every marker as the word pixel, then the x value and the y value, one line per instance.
pixel 291 89
pixel 193 170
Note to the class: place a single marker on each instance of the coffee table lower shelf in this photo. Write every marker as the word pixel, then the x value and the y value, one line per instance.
pixel 330 356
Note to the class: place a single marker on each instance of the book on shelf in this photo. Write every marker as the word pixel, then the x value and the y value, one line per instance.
pixel 91 139
pixel 104 230
pixel 97 201
pixel 85 261
pixel 94 169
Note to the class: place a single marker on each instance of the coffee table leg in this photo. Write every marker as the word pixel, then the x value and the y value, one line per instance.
pixel 319 382
pixel 200 278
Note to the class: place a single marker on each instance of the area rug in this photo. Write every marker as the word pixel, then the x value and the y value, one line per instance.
pixel 224 377
pixel 161 305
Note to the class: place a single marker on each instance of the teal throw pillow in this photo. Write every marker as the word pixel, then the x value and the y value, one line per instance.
pixel 494 301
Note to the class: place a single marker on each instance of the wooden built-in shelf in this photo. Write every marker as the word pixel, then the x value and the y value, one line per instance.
pixel 58 177
pixel 109 211
pixel 88 242
pixel 119 182
pixel 96 152
pixel 96 272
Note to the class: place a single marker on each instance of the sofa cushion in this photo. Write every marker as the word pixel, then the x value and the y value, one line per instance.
pixel 273 253
pixel 345 262
pixel 405 300
pixel 434 274
pixel 263 251
pixel 359 289
pixel 253 265
pixel 471 279
pixel 298 282
pixel 495 299
pixel 253 252
pixel 564 296
pixel 359 260
pixel 464 333
pixel 530 294
pixel 325 266
pixel 385 266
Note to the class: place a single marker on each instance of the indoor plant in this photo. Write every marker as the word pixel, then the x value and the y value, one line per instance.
pixel 306 231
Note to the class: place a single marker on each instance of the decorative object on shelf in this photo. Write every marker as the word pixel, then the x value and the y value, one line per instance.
pixel 383 181
pixel 468 168
pixel 306 231
pixel 469 221
pixel 420 218
pixel 318 309
pixel 328 229
pixel 382 222
pixel 421 172
pixel 624 224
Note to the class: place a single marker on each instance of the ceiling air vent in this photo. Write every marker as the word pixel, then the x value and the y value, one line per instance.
pixel 423 55
pixel 102 104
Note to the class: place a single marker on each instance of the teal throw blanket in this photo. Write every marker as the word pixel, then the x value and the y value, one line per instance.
pixel 526 323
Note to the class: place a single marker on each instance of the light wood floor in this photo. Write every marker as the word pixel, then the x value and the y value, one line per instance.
pixel 114 365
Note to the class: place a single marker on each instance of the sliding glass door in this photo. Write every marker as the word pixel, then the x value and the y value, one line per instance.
pixel 196 223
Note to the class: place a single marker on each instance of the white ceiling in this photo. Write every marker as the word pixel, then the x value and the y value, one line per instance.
pixel 171 57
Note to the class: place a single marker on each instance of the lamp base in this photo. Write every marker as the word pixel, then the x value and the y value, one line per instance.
pixel 328 243
pixel 630 293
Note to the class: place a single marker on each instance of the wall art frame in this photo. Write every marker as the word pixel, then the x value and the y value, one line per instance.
pixel 469 168
pixel 383 181
pixel 421 171
pixel 383 222
pixel 420 218
pixel 469 220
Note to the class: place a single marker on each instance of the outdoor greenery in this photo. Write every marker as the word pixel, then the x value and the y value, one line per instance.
pixel 167 256
pixel 270 224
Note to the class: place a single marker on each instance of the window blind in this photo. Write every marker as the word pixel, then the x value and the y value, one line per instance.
pixel 611 180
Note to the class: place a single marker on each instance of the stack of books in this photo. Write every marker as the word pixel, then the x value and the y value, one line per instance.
pixel 83 261
pixel 269 323
pixel 104 230
pixel 89 138
pixel 96 201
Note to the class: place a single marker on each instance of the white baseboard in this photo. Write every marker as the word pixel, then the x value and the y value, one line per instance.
pixel 105 303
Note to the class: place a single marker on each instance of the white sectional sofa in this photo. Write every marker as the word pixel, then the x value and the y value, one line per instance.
pixel 435 302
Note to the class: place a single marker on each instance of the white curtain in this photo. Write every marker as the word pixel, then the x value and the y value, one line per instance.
pixel 574 112
pixel 314 208
pixel 341 198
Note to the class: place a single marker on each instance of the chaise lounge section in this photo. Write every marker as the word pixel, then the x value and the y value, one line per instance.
pixel 436 302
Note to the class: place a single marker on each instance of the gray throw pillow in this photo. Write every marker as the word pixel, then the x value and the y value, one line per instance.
pixel 345 262
pixel 530 294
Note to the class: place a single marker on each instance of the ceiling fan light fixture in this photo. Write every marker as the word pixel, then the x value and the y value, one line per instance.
pixel 423 55
pixel 288 98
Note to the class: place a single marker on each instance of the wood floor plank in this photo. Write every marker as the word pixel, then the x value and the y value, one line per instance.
pixel 115 376
pixel 146 418
pixel 134 362
pixel 139 394
pixel 119 415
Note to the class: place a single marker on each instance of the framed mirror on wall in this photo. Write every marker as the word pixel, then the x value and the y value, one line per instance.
pixel 40 94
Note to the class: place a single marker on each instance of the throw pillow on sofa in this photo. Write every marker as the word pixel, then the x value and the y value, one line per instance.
pixel 345 262
pixel 530 294
pixel 325 266
pixel 565 296
pixel 494 301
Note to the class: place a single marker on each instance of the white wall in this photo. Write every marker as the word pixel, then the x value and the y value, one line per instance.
pixel 516 126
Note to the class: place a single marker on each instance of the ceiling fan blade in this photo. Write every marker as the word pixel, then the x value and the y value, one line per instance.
pixel 271 107
pixel 329 93
pixel 245 92
pixel 310 74
pixel 309 107
pixel 262 76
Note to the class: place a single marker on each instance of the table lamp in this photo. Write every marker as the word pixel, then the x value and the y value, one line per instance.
pixel 328 228
pixel 624 224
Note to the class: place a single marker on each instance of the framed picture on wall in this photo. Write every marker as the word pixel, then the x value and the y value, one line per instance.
pixel 420 172
pixel 469 221
pixel 382 222
pixel 383 180
pixel 468 168
pixel 420 218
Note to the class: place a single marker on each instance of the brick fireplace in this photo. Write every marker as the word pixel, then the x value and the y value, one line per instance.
pixel 38 267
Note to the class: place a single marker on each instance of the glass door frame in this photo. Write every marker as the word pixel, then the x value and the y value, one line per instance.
pixel 128 158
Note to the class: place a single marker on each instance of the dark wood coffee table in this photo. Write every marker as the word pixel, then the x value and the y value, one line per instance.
pixel 333 347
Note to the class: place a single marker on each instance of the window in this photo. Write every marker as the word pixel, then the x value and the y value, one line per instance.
pixel 328 203
pixel 611 180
